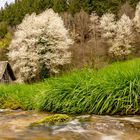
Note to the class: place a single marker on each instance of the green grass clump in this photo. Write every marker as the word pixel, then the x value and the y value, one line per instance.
pixel 20 96
pixel 112 90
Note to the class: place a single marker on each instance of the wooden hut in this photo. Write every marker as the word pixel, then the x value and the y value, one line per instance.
pixel 6 73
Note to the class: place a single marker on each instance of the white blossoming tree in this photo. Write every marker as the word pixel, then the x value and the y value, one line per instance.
pixel 124 38
pixel 95 24
pixel 40 42
pixel 108 27
pixel 120 34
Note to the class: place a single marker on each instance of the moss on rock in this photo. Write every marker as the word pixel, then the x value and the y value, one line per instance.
pixel 52 120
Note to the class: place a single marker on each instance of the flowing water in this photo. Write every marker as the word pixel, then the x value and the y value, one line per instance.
pixel 14 125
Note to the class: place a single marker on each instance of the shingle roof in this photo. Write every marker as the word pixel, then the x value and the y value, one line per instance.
pixel 5 65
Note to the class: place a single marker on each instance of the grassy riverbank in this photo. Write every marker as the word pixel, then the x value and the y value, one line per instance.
pixel 112 90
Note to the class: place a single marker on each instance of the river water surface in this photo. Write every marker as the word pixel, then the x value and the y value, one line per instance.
pixel 14 125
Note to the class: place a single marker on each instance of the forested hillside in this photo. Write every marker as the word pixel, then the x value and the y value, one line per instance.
pixel 14 13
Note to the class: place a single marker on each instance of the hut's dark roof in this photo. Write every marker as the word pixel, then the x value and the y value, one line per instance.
pixel 5 65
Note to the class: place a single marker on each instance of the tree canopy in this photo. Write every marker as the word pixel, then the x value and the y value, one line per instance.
pixel 14 13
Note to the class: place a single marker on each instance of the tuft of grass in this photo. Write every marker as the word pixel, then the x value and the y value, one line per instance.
pixel 20 96
pixel 114 89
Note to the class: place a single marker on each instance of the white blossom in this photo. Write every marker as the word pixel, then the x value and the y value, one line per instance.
pixel 108 27
pixel 119 34
pixel 125 30
pixel 122 44
pixel 40 41
pixel 120 50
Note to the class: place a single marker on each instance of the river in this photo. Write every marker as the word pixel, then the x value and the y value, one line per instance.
pixel 14 125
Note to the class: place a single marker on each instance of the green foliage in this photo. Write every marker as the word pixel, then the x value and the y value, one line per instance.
pixel 74 6
pixel 52 120
pixel 6 40
pixel 87 6
pixel 3 29
pixel 14 13
pixel 133 3
pixel 59 5
pixel 106 6
pixel 4 43
pixel 112 90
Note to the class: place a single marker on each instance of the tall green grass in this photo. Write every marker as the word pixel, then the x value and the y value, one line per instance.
pixel 112 90
pixel 20 96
